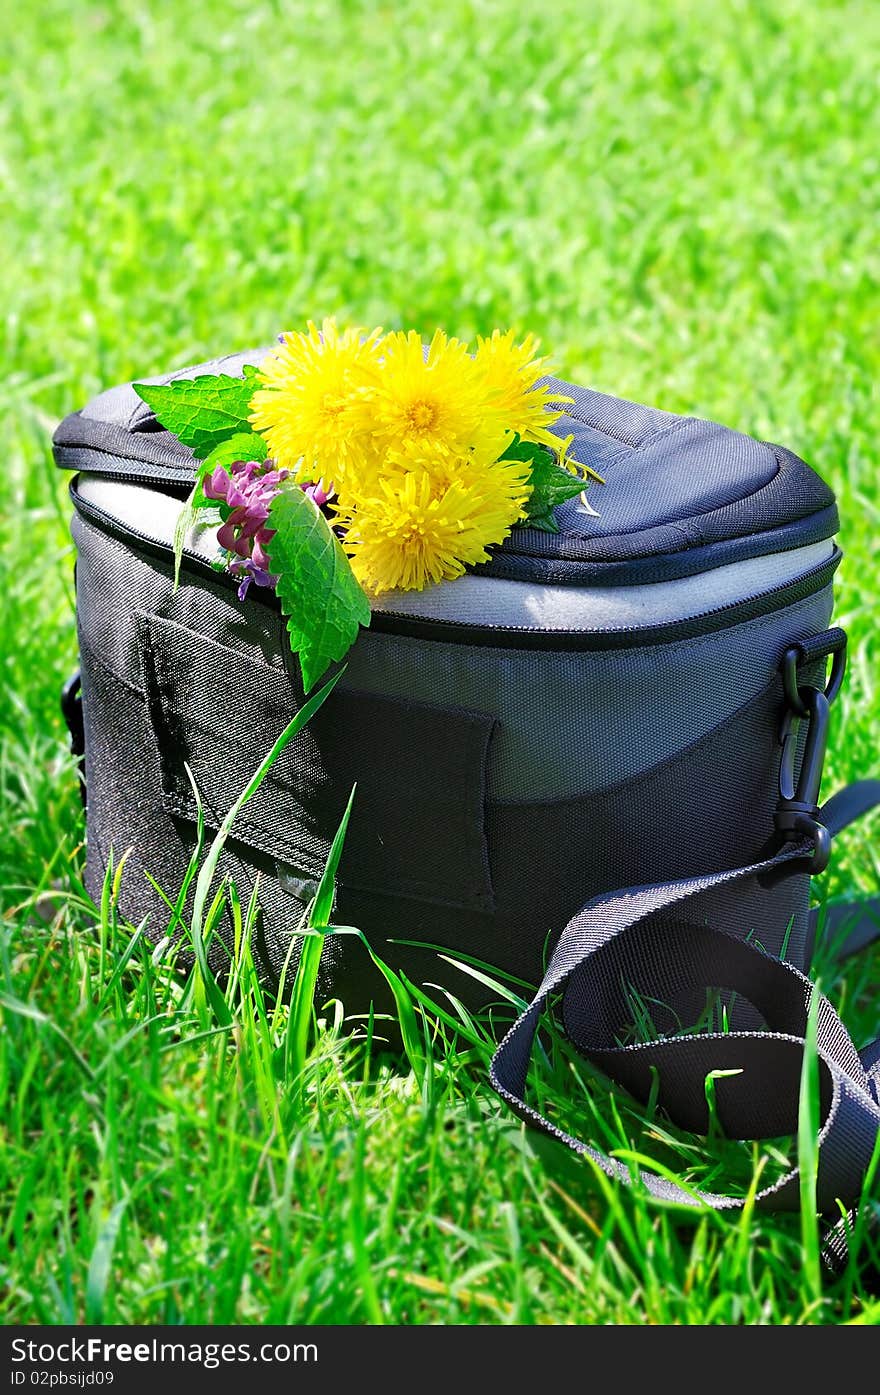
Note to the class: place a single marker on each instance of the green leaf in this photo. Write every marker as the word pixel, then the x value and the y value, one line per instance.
pixel 185 521
pixel 202 412
pixel 551 484
pixel 322 905
pixel 411 1036
pixel 302 998
pixel 100 1273
pixel 544 522
pixel 244 445
pixel 319 594
pixel 524 450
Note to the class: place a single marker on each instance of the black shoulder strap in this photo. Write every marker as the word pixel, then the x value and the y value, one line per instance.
pixel 623 938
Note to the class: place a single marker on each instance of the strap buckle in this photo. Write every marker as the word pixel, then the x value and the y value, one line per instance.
pixel 835 645
pixel 797 810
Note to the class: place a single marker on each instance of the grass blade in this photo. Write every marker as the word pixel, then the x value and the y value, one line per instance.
pixel 101 1261
pixel 306 977
pixel 808 1154
pixel 209 866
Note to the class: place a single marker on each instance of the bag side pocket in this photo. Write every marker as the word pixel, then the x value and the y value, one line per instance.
pixel 418 822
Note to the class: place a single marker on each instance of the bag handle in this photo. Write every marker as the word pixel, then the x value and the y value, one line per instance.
pixel 622 937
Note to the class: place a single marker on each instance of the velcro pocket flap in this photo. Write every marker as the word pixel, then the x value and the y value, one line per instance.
pixel 418 822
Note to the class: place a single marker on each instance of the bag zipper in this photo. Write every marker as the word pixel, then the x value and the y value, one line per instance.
pixel 503 636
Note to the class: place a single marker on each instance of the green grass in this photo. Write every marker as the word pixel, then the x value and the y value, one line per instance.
pixel 683 201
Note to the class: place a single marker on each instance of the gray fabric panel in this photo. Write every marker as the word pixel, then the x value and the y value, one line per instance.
pixel 150 511
pixel 572 722
pixel 489 601
pixel 704 809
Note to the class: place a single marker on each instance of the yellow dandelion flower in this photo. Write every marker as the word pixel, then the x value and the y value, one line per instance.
pixel 432 403
pixel 510 372
pixel 430 519
pixel 313 386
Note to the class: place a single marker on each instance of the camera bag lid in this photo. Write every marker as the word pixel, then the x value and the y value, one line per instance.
pixel 681 495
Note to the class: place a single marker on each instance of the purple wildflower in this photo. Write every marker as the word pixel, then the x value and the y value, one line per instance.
pixel 319 493
pixel 245 492
pixel 250 572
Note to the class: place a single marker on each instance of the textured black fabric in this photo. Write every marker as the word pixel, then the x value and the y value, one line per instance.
pixel 82 443
pixel 71 710
pixel 639 939
pixel 422 825
pixel 546 857
pixel 831 641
